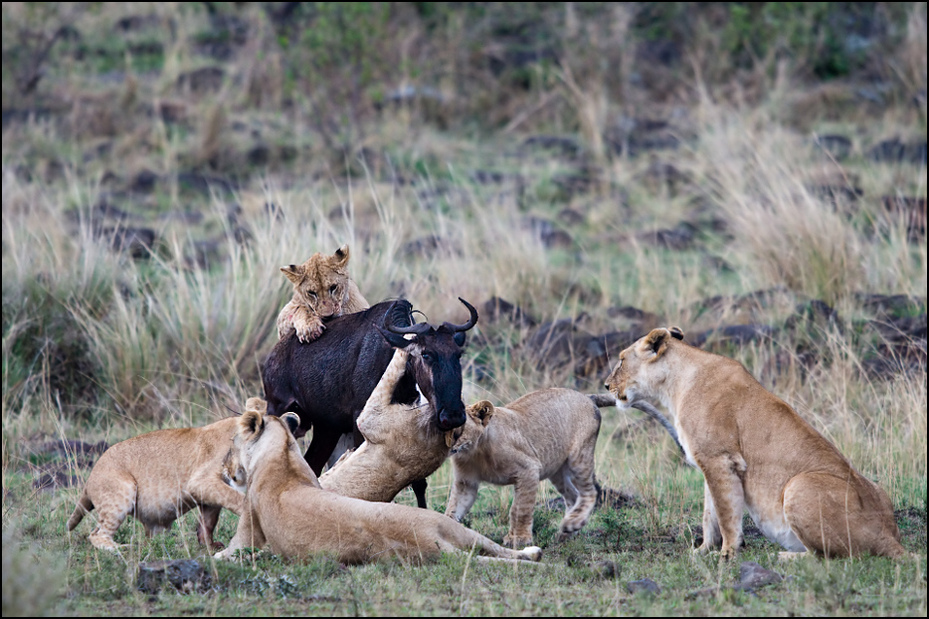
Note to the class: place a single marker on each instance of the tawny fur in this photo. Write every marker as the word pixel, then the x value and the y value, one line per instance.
pixel 157 477
pixel 755 452
pixel 322 289
pixel 402 444
pixel 287 509
pixel 546 434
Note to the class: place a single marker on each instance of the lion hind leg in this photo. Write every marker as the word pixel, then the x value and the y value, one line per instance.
pixel 837 517
pixel 116 499
pixel 454 538
pixel 580 478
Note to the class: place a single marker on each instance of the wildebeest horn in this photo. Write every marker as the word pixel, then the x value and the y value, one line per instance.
pixel 471 321
pixel 417 328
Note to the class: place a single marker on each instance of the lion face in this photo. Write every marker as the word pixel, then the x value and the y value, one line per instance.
pixel 233 472
pixel 641 369
pixel 478 416
pixel 321 283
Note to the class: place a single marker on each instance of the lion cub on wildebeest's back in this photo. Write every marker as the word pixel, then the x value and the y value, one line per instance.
pixel 546 434
pixel 755 452
pixel 157 477
pixel 322 289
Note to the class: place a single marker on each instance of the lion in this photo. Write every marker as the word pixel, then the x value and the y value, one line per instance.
pixel 286 508
pixel 157 477
pixel 402 444
pixel 322 289
pixel 755 452
pixel 546 434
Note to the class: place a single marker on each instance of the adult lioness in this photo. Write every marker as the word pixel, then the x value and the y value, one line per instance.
pixel 546 434
pixel 755 452
pixel 286 508
pixel 157 477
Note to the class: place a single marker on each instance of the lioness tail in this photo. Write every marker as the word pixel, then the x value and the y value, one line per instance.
pixel 83 506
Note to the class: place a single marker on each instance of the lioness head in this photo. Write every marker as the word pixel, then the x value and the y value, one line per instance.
pixel 479 415
pixel 321 283
pixel 247 445
pixel 639 371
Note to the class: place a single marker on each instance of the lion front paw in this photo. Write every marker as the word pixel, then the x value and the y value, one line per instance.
pixel 516 541
pixel 309 330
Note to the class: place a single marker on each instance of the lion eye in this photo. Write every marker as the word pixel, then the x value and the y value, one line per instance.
pixel 312 294
pixel 332 289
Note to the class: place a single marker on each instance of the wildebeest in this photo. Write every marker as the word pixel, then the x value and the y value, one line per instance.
pixel 327 381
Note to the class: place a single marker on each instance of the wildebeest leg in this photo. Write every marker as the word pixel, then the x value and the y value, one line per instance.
pixel 419 489
pixel 321 447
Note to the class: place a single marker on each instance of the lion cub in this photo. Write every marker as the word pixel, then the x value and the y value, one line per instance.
pixel 546 434
pixel 157 477
pixel 322 289
pixel 755 452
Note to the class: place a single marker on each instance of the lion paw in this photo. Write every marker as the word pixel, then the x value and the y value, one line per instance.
pixel 516 541
pixel 309 331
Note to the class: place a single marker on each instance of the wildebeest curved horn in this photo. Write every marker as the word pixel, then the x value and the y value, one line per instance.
pixel 471 321
pixel 416 329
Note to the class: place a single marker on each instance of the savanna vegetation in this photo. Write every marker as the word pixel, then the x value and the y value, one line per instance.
pixel 581 172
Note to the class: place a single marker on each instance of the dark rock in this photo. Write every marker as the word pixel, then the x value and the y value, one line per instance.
pixel 138 242
pixel 201 81
pixel 594 357
pixel 258 155
pixel 753 576
pixel 836 194
pixel 644 586
pixel 895 151
pixel 735 334
pixel 496 308
pixel 132 23
pixel 838 146
pixel 201 183
pixel 68 447
pixel 678 238
pixel 567 147
pixel 606 569
pixel 185 575
pixel 143 182
pixel 56 479
pixel 549 233
pixel 570 217
pixel 428 246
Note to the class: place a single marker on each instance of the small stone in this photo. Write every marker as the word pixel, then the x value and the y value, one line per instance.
pixel 752 576
pixel 645 585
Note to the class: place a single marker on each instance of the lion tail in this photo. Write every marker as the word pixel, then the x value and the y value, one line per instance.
pixel 84 505
pixel 601 400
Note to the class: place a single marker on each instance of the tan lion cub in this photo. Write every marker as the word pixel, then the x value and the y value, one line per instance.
pixel 755 452
pixel 546 434
pixel 286 508
pixel 402 444
pixel 157 477
pixel 322 289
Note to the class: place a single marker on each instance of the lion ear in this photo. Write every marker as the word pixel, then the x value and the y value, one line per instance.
pixel 294 272
pixel 483 410
pixel 251 422
pixel 655 343
pixel 292 421
pixel 256 404
pixel 676 333
pixel 341 256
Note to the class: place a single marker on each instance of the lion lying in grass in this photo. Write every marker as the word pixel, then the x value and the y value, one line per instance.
pixel 157 477
pixel 402 444
pixel 322 289
pixel 755 452
pixel 286 508
pixel 546 434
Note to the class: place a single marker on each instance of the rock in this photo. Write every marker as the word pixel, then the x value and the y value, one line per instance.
pixel 912 210
pixel 736 334
pixel 138 242
pixel 752 576
pixel 143 182
pixel 496 308
pixel 186 575
pixel 606 569
pixel 838 146
pixel 895 151
pixel 201 81
pixel 645 585
pixel 567 147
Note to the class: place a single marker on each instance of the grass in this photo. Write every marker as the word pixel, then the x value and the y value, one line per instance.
pixel 102 341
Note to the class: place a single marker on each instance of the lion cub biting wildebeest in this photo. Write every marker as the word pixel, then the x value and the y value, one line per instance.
pixel 755 452
pixel 287 509
pixel 157 477
pixel 322 289
pixel 546 434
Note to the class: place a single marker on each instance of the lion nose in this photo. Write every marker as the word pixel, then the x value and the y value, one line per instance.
pixel 606 386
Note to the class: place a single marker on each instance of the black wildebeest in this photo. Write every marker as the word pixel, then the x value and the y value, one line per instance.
pixel 327 381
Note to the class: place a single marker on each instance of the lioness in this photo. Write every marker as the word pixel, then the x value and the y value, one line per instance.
pixel 402 444
pixel 755 452
pixel 322 289
pixel 286 508
pixel 546 434
pixel 157 477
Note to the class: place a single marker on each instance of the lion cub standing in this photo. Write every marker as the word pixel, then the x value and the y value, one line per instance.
pixel 546 434
pixel 157 477
pixel 322 289
pixel 755 452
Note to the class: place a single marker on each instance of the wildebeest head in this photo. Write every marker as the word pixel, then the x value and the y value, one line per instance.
pixel 435 361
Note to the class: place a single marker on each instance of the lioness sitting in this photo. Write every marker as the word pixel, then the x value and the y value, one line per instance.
pixel 755 452
pixel 546 434
pixel 286 508
pixel 322 289
pixel 157 477
pixel 402 444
